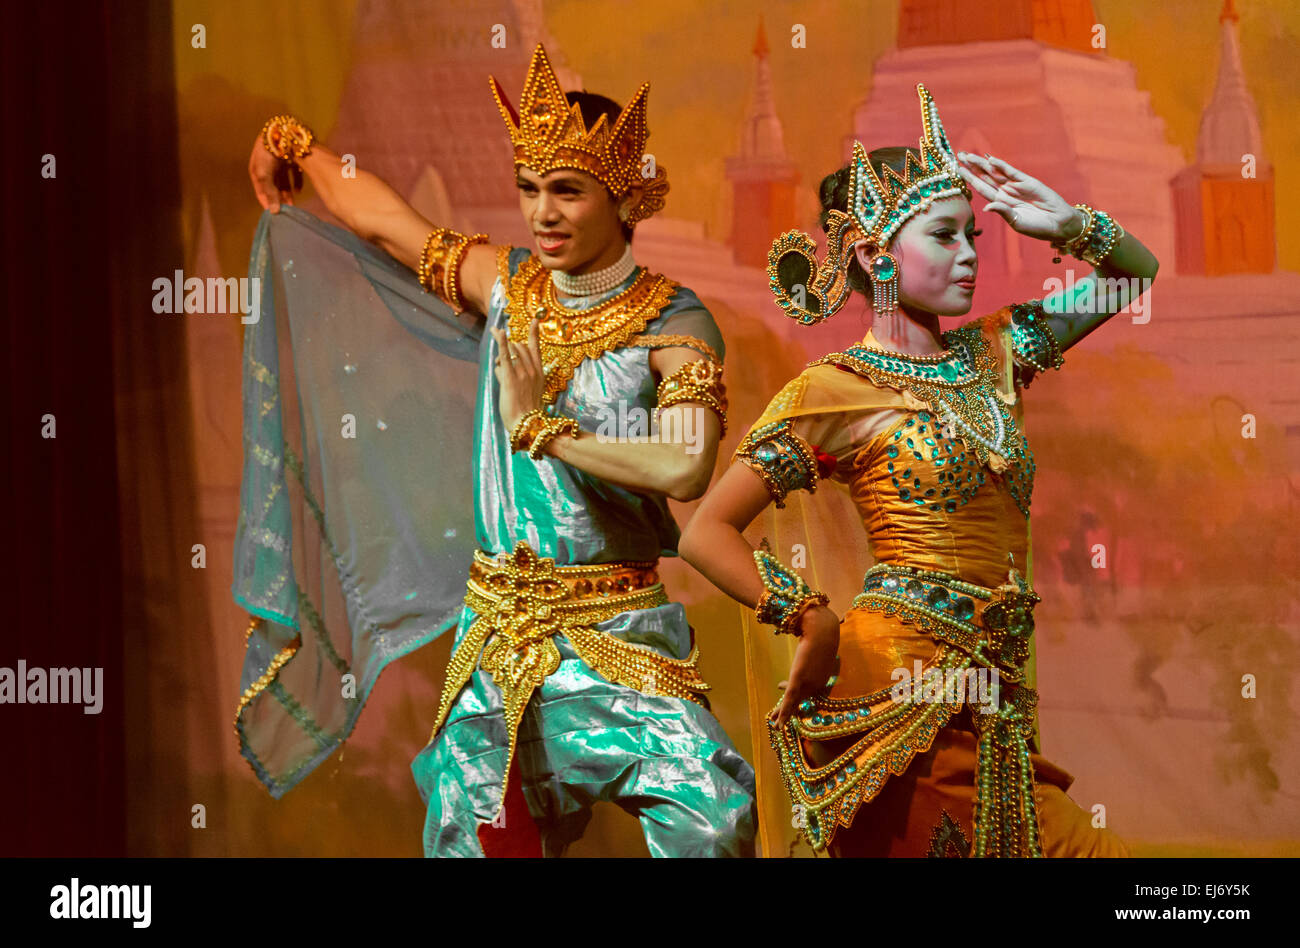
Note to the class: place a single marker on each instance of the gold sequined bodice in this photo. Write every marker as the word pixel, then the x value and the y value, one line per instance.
pixel 926 501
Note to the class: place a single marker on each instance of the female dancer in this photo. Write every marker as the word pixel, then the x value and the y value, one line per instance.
pixel 920 742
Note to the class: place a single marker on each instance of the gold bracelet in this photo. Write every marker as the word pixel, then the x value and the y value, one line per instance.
pixel 292 139
pixel 1069 246
pixel 696 381
pixel 552 428
pixel 536 429
pixel 522 434
pixel 1100 234
pixel 440 261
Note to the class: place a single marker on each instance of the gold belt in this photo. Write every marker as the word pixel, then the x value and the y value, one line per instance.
pixel 992 625
pixel 522 601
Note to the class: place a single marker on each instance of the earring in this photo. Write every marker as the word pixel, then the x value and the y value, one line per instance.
pixel 884 284
pixel 624 214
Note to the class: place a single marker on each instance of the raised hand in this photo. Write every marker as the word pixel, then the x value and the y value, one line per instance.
pixel 1028 205
pixel 521 374
pixel 274 180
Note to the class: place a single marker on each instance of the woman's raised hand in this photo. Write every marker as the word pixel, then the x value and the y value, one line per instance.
pixel 1028 205
pixel 814 659
pixel 274 180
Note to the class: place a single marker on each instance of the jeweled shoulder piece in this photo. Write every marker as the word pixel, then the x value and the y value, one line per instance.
pixel 809 290
pixel 1032 341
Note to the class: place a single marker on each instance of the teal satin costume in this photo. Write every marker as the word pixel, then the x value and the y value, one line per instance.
pixel 582 737
pixel 374 465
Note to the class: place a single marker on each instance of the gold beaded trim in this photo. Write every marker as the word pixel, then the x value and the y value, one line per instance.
pixel 890 734
pixel 780 457
pixel 440 262
pixel 772 610
pixel 670 340
pixel 785 594
pixel 287 138
pixel 1006 811
pixel 947 841
pixel 1032 339
pixel 984 421
pixel 523 601
pixel 894 730
pixel 272 670
pixel 695 381
pixel 991 625
pixel 536 429
pixel 567 336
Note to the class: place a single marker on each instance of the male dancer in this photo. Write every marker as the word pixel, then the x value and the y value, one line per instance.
pixel 573 677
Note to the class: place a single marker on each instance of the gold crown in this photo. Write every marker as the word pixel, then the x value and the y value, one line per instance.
pixel 548 132
pixel 811 290
pixel 881 207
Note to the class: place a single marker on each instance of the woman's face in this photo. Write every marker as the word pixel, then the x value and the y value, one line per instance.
pixel 937 263
pixel 573 217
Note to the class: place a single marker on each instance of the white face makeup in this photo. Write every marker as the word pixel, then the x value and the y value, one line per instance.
pixel 937 260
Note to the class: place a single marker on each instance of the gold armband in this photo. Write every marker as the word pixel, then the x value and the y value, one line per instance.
pixel 287 138
pixel 536 429
pixel 444 251
pixel 696 381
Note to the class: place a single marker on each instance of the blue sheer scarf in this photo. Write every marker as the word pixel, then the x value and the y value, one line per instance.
pixel 358 393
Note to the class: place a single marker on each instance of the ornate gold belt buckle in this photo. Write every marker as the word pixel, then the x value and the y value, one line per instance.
pixel 1009 621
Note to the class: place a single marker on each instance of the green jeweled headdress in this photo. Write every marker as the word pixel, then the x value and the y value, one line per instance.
pixel 809 290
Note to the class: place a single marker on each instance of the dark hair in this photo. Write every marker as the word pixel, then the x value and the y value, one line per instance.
pixel 592 107
pixel 834 194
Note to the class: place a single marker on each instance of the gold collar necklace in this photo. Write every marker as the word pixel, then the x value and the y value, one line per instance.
pixel 566 335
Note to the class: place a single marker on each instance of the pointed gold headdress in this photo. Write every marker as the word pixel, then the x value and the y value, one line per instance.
pixel 548 132
pixel 810 291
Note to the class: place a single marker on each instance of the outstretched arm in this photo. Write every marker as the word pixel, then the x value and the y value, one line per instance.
pixel 1035 210
pixel 371 209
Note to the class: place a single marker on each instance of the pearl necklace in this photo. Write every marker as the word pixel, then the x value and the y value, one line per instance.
pixel 601 281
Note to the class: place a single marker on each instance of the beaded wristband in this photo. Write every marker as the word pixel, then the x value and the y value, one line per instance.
pixel 696 381
pixel 293 139
pixel 1105 235
pixel 786 596
pixel 536 429
pixel 440 261
pixel 522 434
pixel 552 428
pixel 1095 242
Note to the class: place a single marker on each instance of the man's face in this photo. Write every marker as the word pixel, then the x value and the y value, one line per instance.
pixel 573 217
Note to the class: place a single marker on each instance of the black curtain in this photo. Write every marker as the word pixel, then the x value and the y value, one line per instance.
pixel 98 515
